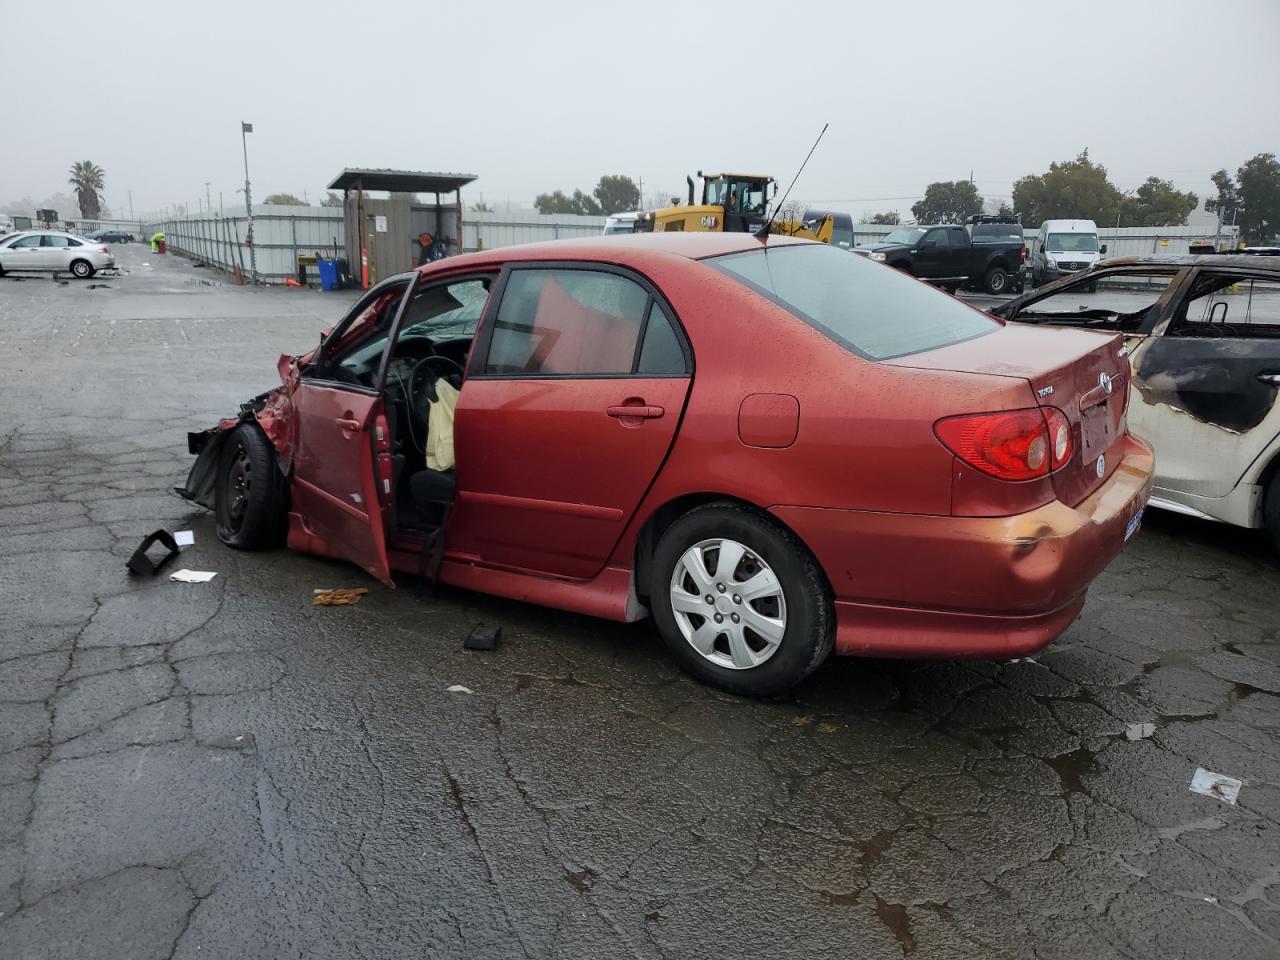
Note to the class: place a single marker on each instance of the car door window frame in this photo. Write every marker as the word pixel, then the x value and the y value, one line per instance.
pixel 323 354
pixel 1179 281
pixel 1239 273
pixel 484 333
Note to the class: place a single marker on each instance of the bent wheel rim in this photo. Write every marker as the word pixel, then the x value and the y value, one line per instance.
pixel 239 484
pixel 728 604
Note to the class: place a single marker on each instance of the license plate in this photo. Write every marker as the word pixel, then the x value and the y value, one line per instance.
pixel 1132 526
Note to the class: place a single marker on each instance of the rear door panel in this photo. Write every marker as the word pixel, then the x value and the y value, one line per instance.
pixel 547 479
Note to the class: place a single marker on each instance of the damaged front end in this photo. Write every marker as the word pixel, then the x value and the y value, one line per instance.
pixel 271 411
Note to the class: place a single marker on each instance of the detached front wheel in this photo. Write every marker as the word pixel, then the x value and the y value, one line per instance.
pixel 740 602
pixel 250 496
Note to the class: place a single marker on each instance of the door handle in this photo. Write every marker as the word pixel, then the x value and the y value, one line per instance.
pixel 1272 378
pixel 345 424
pixel 639 411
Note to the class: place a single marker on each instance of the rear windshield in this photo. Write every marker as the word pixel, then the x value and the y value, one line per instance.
pixel 868 308
pixel 997 233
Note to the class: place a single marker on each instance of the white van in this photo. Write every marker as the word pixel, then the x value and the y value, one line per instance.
pixel 622 222
pixel 1063 247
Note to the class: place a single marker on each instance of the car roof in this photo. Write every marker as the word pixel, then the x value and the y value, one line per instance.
pixel 628 249
pixel 1236 261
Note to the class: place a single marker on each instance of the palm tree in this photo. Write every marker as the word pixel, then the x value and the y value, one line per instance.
pixel 88 178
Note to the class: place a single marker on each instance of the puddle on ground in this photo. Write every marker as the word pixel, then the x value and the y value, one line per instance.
pixel 895 917
pixel 1072 768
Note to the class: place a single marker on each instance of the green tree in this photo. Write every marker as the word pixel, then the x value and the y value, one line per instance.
pixel 1006 211
pixel 285 200
pixel 1228 198
pixel 1073 189
pixel 331 199
pixel 481 207
pixel 88 178
pixel 948 201
pixel 557 202
pixel 1258 182
pixel 617 193
pixel 889 218
pixel 1157 203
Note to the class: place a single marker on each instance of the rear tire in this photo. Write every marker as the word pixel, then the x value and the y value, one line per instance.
pixel 82 269
pixel 996 281
pixel 778 587
pixel 1271 509
pixel 250 495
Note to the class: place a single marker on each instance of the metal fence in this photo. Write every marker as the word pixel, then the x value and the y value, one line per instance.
pixel 283 233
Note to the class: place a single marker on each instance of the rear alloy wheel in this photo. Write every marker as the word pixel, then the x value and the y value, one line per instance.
pixel 250 497
pixel 996 280
pixel 82 269
pixel 740 602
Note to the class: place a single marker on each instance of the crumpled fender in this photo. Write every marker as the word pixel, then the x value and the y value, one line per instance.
pixel 272 411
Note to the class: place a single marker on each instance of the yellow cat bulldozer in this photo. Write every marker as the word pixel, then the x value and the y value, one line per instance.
pixel 739 203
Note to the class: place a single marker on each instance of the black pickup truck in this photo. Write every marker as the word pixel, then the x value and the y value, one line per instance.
pixel 985 253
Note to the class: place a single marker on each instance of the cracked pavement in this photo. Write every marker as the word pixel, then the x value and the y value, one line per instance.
pixel 223 769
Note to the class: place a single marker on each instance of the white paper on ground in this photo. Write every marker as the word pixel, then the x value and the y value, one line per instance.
pixel 184 538
pixel 1216 785
pixel 458 688
pixel 192 576
pixel 1139 731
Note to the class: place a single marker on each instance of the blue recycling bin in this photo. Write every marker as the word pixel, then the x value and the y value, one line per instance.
pixel 328 270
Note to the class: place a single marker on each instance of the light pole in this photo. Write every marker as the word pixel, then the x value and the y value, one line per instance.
pixel 246 128
pixel 208 204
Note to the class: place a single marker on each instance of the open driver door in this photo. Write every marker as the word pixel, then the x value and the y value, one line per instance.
pixel 342 479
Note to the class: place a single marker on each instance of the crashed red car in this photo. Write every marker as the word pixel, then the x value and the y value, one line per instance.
pixel 773 447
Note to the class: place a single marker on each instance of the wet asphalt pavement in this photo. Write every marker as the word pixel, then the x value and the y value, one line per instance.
pixel 225 770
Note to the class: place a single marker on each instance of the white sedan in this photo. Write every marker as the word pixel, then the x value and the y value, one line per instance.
pixel 50 251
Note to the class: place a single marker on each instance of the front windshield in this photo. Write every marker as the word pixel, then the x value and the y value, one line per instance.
pixel 452 311
pixel 1072 243
pixel 738 196
pixel 904 235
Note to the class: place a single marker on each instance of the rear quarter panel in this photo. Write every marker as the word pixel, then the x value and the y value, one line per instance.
pixel 865 439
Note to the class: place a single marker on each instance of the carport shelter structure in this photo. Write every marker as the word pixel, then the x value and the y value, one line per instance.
pixel 381 233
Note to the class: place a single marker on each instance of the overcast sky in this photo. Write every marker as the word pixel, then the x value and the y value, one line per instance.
pixel 534 96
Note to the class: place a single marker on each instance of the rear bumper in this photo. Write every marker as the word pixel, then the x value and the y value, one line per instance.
pixel 994 587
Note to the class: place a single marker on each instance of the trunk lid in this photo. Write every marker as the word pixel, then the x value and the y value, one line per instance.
pixel 1083 373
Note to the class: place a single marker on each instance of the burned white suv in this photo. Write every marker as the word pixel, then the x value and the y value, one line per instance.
pixel 1203 337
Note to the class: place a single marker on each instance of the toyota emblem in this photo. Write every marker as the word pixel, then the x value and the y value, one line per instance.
pixel 1105 382
pixel 1102 465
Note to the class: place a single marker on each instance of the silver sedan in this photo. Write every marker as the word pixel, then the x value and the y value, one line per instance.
pixel 48 250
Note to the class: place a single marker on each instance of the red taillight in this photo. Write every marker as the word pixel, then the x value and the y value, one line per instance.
pixel 1022 254
pixel 104 249
pixel 1011 444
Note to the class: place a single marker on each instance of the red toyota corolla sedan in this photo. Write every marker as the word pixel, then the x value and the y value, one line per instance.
pixel 773 447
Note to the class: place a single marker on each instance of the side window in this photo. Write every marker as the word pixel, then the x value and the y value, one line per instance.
pixel 958 237
pixel 74 243
pixel 1229 305
pixel 27 242
pixel 661 354
pixel 937 236
pixel 557 322
pixel 53 241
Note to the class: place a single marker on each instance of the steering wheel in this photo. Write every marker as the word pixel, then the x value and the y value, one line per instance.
pixel 422 375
